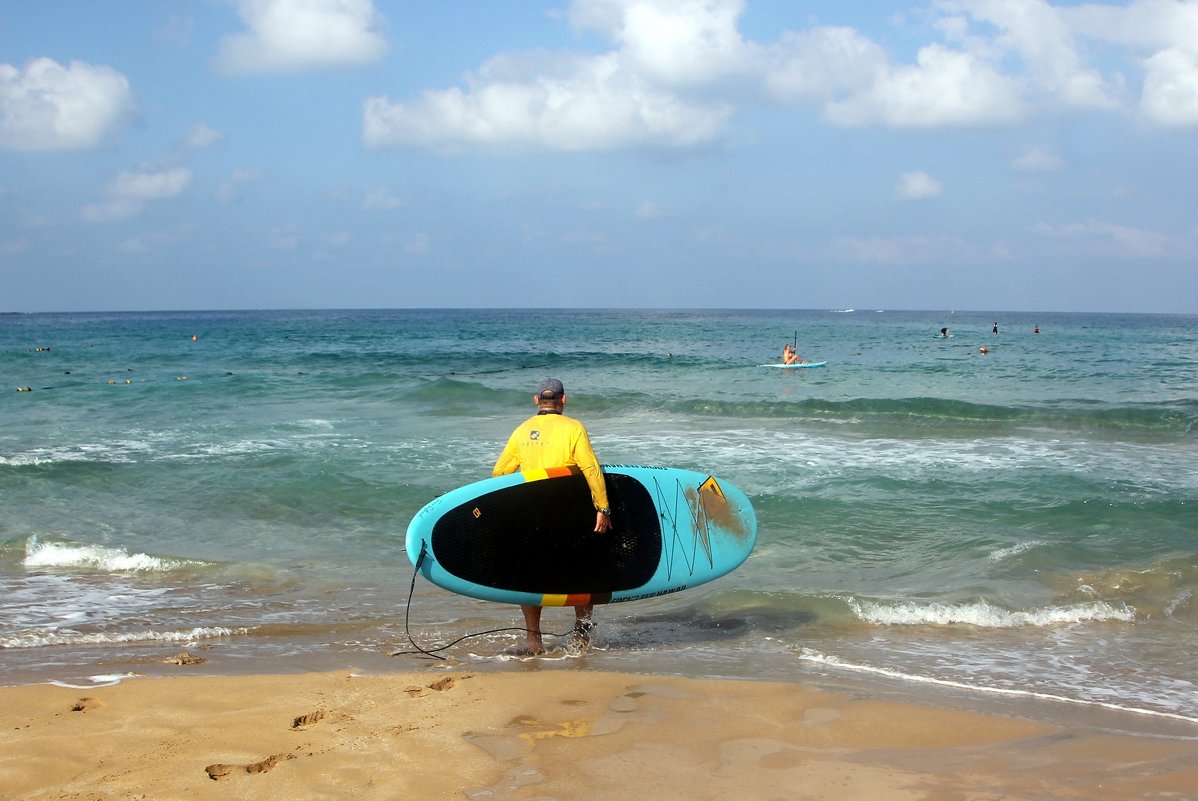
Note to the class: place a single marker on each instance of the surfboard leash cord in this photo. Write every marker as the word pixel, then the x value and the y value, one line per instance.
pixel 434 652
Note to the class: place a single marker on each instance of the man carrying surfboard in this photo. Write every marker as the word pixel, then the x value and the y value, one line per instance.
pixel 551 439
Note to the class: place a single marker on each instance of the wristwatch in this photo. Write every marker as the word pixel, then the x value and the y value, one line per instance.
pixel 604 511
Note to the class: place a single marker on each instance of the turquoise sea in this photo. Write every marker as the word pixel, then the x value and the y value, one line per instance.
pixel 1016 524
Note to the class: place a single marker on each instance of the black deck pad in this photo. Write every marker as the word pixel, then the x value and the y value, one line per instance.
pixel 539 537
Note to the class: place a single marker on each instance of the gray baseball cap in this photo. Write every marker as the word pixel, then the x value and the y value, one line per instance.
pixel 550 389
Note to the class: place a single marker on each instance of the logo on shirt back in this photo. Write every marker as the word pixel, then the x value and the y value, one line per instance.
pixel 534 435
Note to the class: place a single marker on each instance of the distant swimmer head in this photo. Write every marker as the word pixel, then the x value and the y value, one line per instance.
pixel 983 350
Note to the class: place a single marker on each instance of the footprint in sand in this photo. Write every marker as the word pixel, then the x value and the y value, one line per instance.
pixel 86 704
pixel 221 772
pixel 310 719
pixel 440 685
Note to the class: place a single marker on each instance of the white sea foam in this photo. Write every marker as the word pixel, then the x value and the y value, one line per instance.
pixel 1003 554
pixel 64 555
pixel 985 615
pixel 810 655
pixel 39 639
pixel 817 456
pixel 107 453
pixel 109 680
pixel 246 447
pixel 316 422
pixel 1180 602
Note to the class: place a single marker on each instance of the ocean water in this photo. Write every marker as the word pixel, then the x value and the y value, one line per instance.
pixel 1018 523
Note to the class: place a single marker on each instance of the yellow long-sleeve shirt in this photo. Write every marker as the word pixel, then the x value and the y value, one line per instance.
pixel 553 440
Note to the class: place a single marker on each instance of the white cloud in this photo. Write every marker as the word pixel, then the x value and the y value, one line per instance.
pixel 381 200
pixel 1165 34
pixel 915 249
pixel 201 137
pixel 1110 239
pixel 1041 36
pixel 918 185
pixel 672 42
pixel 112 209
pixel 14 247
pixel 594 104
pixel 292 35
pixel 418 243
pixel 1171 88
pixel 648 210
pixel 711 235
pixel 1150 25
pixel 819 63
pixel 128 193
pixel 945 87
pixel 230 190
pixel 151 185
pixel 1039 159
pixel 137 244
pixel 47 106
pixel 634 95
pixel 892 250
pixel 283 237
pixel 677 70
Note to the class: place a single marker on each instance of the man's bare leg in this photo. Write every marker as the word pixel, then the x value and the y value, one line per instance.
pixel 583 623
pixel 532 622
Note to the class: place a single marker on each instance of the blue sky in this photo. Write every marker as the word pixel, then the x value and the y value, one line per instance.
pixel 952 154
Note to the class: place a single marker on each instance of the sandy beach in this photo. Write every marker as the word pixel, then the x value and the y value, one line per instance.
pixel 548 734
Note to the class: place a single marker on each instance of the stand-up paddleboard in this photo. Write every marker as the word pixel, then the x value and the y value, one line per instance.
pixel 800 364
pixel 528 538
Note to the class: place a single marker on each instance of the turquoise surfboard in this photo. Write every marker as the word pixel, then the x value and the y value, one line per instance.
pixel 528 537
pixel 802 364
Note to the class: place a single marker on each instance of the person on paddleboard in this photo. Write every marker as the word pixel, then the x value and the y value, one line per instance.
pixel 551 439
pixel 790 356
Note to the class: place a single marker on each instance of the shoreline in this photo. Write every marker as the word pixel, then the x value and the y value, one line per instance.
pixel 212 661
pixel 527 731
